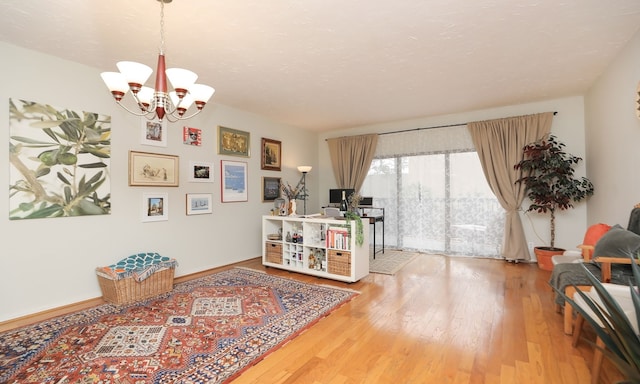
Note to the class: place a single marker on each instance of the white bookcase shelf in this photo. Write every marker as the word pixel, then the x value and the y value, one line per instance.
pixel 324 247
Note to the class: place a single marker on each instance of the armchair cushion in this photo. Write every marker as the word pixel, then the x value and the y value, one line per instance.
pixel 621 294
pixel 617 242
pixel 594 233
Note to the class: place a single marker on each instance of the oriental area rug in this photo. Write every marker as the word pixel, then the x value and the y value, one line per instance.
pixel 207 330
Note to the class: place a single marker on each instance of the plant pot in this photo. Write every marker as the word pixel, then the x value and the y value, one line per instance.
pixel 544 254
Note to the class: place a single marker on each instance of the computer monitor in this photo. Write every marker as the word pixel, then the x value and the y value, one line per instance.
pixel 335 195
pixel 366 201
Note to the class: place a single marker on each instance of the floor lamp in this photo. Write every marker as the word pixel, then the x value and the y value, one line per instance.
pixel 304 169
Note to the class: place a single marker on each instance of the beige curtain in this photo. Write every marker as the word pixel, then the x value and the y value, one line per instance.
pixel 499 145
pixel 351 158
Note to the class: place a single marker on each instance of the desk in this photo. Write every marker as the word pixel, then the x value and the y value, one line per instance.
pixel 373 220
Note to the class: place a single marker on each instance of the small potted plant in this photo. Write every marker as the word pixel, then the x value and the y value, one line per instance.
pixel 548 175
pixel 352 214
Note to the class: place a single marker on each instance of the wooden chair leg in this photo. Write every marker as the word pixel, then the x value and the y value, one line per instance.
pixel 568 309
pixel 577 329
pixel 568 319
pixel 597 361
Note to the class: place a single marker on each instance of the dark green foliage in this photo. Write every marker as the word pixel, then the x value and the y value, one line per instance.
pixel 349 215
pixel 548 175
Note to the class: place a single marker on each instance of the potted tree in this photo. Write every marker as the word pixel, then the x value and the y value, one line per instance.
pixel 548 175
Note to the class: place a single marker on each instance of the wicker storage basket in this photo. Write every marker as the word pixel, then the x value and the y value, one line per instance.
pixel 128 290
pixel 339 262
pixel 274 252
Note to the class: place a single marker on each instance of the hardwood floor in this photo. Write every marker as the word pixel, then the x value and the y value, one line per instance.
pixel 439 320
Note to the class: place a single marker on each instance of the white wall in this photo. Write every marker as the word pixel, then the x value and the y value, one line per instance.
pixel 568 125
pixel 48 263
pixel 613 138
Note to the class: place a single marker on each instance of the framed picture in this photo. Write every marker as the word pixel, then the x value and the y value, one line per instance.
pixel 199 203
pixel 234 181
pixel 233 142
pixel 200 172
pixel 155 207
pixel 153 169
pixel 270 188
pixel 271 154
pixel 154 132
pixel 192 136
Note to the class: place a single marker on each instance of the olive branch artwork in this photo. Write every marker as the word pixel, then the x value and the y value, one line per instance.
pixel 59 162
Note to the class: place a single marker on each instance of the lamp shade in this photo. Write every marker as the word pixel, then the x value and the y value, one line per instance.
pixel 304 168
pixel 185 103
pixel 145 95
pixel 181 79
pixel 201 93
pixel 115 81
pixel 135 74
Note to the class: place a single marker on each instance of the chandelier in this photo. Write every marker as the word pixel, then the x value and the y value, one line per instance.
pixel 157 103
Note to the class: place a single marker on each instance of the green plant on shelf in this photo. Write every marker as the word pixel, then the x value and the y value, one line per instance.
pixel 359 230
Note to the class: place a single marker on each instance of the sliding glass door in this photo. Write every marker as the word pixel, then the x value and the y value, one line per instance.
pixel 438 203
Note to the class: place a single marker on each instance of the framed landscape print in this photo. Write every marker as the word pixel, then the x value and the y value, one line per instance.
pixel 200 172
pixel 153 169
pixel 270 188
pixel 233 142
pixel 154 132
pixel 234 181
pixel 155 207
pixel 199 203
pixel 271 154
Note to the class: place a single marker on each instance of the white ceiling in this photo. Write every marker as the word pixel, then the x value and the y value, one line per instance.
pixel 330 64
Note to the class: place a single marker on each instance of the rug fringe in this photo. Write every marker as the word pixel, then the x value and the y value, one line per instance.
pixel 320 285
pixel 340 288
pixel 251 269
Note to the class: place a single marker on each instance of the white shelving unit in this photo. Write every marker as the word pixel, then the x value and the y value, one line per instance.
pixel 319 246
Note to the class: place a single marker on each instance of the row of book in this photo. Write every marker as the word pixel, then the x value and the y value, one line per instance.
pixel 338 238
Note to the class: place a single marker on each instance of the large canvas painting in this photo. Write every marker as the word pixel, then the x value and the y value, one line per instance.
pixel 59 161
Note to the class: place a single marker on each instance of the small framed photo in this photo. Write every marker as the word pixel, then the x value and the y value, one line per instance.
pixel 234 181
pixel 271 154
pixel 192 136
pixel 200 172
pixel 153 169
pixel 233 142
pixel 155 207
pixel 199 203
pixel 270 188
pixel 154 132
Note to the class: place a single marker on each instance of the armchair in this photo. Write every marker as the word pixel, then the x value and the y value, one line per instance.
pixel 611 259
pixel 622 296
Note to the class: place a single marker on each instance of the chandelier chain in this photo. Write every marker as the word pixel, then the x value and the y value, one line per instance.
pixel 161 27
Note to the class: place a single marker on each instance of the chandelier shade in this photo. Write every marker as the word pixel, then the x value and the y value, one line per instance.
pixel 158 102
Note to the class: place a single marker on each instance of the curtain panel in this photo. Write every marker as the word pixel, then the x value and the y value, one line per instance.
pixel 499 145
pixel 351 158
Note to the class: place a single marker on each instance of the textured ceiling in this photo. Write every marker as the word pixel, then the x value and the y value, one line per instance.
pixel 330 64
